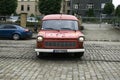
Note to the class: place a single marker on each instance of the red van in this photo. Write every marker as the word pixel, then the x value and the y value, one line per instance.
pixel 60 34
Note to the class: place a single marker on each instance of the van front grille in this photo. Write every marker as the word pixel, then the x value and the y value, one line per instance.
pixel 60 44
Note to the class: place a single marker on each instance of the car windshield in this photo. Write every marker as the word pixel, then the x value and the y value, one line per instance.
pixel 60 25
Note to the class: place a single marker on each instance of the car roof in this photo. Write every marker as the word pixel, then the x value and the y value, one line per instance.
pixel 9 25
pixel 59 17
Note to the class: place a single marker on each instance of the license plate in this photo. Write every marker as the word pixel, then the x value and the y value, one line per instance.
pixel 60 51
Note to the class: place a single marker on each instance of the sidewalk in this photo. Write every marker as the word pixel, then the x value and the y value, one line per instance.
pixel 103 32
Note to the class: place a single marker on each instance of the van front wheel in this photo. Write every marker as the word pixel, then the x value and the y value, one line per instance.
pixel 79 55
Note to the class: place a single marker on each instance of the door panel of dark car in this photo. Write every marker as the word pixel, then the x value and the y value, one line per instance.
pixel 1 30
pixel 8 30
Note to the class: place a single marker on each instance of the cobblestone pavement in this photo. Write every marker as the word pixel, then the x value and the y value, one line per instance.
pixel 19 62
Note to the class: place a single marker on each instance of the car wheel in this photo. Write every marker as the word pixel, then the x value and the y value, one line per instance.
pixel 79 55
pixel 39 55
pixel 16 36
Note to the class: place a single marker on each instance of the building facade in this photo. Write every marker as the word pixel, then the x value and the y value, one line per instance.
pixel 28 6
pixel 76 7
pixel 31 7
pixel 80 7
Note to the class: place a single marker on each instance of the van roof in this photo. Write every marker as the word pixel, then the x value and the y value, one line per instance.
pixel 59 17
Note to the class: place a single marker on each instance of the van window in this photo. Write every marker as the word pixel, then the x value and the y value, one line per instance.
pixel 60 25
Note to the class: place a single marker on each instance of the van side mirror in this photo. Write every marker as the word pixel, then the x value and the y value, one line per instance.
pixel 81 27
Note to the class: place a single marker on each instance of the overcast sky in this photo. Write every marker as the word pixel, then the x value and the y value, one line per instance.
pixel 116 2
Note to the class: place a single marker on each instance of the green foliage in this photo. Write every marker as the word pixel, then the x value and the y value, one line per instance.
pixel 7 7
pixel 32 15
pixel 90 13
pixel 108 9
pixel 117 11
pixel 15 14
pixel 49 6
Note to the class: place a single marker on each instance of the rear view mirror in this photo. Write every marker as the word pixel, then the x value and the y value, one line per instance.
pixel 81 27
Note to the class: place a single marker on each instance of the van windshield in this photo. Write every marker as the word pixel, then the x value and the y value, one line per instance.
pixel 60 25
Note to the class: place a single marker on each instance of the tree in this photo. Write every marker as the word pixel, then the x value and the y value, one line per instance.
pixel 108 9
pixel 117 11
pixel 32 15
pixel 90 13
pixel 49 6
pixel 7 7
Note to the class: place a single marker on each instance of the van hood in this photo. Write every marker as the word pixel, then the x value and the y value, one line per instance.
pixel 60 34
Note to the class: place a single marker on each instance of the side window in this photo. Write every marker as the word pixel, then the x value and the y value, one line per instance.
pixel 13 27
pixel 1 27
pixel 9 27
pixel 22 7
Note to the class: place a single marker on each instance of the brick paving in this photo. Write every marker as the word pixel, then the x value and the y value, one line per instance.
pixel 103 51
pixel 28 69
pixel 19 62
pixel 101 61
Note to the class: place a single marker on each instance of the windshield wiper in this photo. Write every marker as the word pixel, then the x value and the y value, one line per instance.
pixel 66 29
pixel 49 28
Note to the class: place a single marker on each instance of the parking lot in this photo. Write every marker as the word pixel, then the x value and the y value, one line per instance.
pixel 101 61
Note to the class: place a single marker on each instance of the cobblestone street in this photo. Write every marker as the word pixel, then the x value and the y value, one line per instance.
pixel 101 61
pixel 19 62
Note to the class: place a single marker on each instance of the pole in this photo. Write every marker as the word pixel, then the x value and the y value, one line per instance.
pixel 100 19
pixel 100 14
pixel 71 7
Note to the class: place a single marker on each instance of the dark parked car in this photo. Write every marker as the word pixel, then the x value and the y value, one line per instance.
pixel 14 32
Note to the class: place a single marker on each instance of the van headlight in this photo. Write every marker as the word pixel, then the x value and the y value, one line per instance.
pixel 39 38
pixel 81 39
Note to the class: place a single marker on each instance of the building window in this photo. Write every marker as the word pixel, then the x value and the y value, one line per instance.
pixel 68 11
pixel 28 7
pixel 68 3
pixel 102 5
pixel 22 7
pixel 90 6
pixel 76 6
